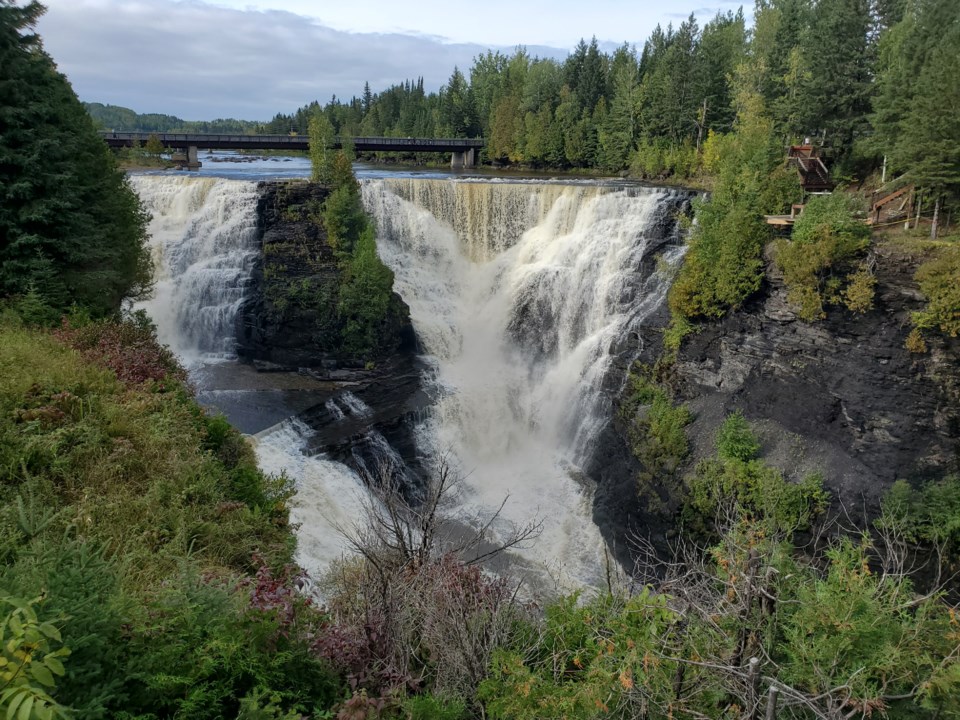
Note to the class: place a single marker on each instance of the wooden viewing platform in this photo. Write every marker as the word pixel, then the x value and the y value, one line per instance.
pixel 785 220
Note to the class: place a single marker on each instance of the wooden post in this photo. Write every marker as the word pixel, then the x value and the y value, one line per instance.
pixel 772 703
pixel 916 223
pixel 753 680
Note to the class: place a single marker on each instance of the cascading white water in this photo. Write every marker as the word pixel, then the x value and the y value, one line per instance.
pixel 203 236
pixel 330 497
pixel 517 292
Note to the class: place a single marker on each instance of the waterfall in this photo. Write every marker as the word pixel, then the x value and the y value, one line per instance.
pixel 518 292
pixel 203 236
pixel 521 295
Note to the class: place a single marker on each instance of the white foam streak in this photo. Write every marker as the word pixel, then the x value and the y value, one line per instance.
pixel 329 500
pixel 203 239
pixel 517 293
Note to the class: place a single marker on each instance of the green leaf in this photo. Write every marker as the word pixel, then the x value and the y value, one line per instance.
pixel 50 631
pixel 15 625
pixel 25 709
pixel 42 675
pixel 52 662
pixel 19 695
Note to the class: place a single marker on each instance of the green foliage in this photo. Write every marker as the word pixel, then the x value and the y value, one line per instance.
pixel 735 439
pixel 366 301
pixel 131 463
pixel 120 119
pixel 428 707
pixel 366 296
pixel 724 265
pixel 737 478
pixel 321 141
pixel 33 309
pixel 861 626
pixel 927 515
pixel 917 85
pixel 655 427
pixel 140 519
pixel 30 661
pixel 153 146
pixel 819 260
pixel 938 281
pixel 72 229
pixel 344 219
pixel 203 647
pixel 593 659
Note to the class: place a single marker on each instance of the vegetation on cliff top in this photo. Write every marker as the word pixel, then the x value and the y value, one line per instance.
pixel 366 303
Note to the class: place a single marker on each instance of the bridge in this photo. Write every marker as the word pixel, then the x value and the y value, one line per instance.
pixel 463 151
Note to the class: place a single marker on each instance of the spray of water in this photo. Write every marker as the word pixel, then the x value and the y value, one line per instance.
pixel 517 293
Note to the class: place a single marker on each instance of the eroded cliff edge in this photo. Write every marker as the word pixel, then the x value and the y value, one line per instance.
pixel 841 396
pixel 289 319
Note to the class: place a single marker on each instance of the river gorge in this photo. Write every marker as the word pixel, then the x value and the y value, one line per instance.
pixel 529 300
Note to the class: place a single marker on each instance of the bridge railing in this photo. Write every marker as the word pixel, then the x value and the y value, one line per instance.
pixel 204 139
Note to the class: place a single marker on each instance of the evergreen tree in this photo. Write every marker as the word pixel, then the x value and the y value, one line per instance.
pixel 837 56
pixel 70 226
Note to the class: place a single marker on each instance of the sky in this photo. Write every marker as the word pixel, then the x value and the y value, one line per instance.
pixel 251 59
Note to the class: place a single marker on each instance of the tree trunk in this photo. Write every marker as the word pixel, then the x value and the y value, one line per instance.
pixel 936 218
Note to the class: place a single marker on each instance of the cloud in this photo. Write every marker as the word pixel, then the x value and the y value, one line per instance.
pixel 201 62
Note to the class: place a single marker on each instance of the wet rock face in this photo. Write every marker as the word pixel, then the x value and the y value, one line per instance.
pixel 841 396
pixel 289 319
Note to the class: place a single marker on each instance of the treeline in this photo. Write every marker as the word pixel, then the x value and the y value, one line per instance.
pixel 120 119
pixel 862 78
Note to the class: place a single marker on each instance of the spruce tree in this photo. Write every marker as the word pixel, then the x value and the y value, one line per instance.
pixel 70 226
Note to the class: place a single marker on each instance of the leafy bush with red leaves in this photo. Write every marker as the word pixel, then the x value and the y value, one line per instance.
pixel 129 347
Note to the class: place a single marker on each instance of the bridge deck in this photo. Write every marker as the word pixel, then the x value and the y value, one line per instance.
pixel 288 142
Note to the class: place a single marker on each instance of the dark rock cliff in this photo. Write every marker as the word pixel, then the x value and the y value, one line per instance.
pixel 841 396
pixel 290 321
pixel 290 317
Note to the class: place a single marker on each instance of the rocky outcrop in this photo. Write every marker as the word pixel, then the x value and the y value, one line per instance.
pixel 841 396
pixel 290 318
pixel 364 415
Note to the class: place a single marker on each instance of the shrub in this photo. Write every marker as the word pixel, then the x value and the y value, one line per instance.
pixel 655 428
pixel 938 281
pixel 32 656
pixel 735 439
pixel 816 262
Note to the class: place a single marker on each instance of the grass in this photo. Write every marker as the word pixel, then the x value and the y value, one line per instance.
pixel 135 467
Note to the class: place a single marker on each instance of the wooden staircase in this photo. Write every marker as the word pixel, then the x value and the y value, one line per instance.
pixel 814 176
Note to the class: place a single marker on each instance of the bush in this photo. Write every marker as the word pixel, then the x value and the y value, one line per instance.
pixel 655 428
pixel 938 281
pixel 735 439
pixel 819 262
pixel 737 479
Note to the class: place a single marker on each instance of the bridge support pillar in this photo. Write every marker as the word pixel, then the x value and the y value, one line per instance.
pixel 192 162
pixel 470 158
pixel 456 160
